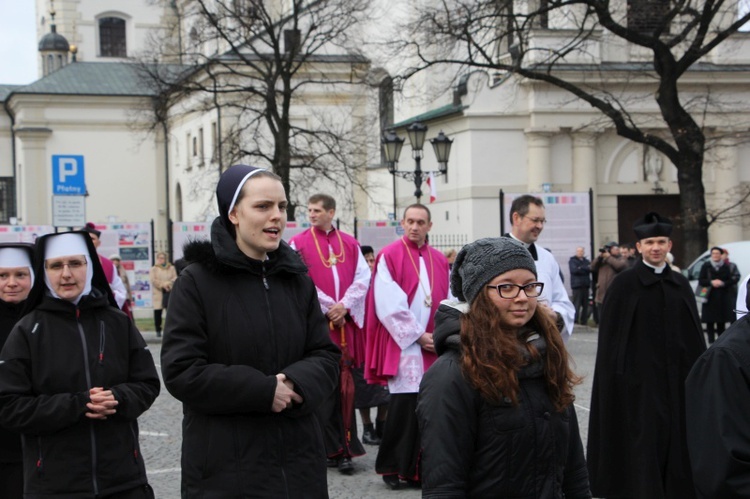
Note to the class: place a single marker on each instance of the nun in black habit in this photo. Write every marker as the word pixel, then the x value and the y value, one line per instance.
pixel 649 337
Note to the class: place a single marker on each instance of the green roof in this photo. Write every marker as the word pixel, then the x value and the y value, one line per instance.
pixel 5 90
pixel 434 114
pixel 95 78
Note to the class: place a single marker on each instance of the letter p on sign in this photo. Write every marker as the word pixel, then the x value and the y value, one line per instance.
pixel 68 177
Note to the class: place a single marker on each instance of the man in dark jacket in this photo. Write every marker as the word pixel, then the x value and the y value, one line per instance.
pixel 649 338
pixel 717 415
pixel 580 283
pixel 16 278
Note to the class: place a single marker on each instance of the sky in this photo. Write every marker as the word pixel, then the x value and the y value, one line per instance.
pixel 18 43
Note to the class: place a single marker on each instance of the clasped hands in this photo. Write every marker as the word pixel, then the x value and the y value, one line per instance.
pixel 285 395
pixel 102 403
pixel 337 314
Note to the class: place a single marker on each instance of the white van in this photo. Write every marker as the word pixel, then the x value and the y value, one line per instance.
pixel 739 254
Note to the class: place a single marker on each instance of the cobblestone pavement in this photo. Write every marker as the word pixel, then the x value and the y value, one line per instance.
pixel 161 434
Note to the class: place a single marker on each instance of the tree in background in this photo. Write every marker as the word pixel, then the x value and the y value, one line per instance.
pixel 555 43
pixel 283 78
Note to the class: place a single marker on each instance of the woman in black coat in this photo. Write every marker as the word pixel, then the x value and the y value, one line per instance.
pixel 722 279
pixel 496 409
pixel 247 351
pixel 75 374
pixel 16 278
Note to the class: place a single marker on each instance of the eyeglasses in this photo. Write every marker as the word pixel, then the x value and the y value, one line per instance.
pixel 537 221
pixel 510 291
pixel 71 264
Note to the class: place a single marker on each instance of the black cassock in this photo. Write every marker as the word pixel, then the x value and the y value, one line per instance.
pixel 718 415
pixel 649 337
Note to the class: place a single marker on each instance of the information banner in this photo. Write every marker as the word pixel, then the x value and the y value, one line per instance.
pixel 378 233
pixel 132 242
pixel 183 232
pixel 568 225
pixel 23 233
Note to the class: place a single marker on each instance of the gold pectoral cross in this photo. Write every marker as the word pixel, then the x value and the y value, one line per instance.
pixel 333 260
pixel 428 302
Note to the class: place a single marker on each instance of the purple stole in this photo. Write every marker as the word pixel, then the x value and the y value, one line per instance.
pixel 323 277
pixel 382 353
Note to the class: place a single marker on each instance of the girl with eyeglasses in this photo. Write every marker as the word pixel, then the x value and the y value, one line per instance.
pixel 75 375
pixel 496 409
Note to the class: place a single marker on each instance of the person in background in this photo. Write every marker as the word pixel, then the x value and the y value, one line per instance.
pixel 721 278
pixel 649 338
pixel 496 410
pixel 580 283
pixel 410 281
pixel 450 255
pixel 337 267
pixel 607 265
pixel 527 218
pixel 128 305
pixel 162 276
pixel 113 277
pixel 247 351
pixel 630 253
pixel 16 279
pixel 718 429
pixel 670 262
pixel 367 395
pixel 75 375
pixel 369 255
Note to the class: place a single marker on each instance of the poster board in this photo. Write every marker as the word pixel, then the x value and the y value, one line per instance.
pixel 132 241
pixel 23 233
pixel 378 233
pixel 568 225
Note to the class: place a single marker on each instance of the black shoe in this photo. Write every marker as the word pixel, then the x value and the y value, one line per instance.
pixel 346 467
pixel 158 334
pixel 332 462
pixel 369 436
pixel 392 481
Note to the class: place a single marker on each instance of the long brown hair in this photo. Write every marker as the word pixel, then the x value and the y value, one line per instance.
pixel 491 357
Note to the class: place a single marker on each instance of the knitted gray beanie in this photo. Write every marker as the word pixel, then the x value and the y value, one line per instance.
pixel 481 261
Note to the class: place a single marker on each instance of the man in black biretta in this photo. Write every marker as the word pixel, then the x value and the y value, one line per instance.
pixel 649 337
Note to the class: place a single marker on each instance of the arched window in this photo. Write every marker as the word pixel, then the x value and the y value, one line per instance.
pixel 112 37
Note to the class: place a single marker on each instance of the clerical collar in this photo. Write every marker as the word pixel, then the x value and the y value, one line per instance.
pixel 324 232
pixel 657 270
pixel 528 246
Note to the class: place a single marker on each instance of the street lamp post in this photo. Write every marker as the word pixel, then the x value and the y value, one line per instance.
pixel 417 132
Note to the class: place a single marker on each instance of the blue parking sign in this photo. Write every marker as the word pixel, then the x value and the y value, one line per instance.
pixel 68 176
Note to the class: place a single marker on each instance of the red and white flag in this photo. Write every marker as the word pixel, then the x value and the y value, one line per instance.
pixel 432 186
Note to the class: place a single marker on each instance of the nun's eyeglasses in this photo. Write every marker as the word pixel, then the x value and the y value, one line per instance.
pixel 71 264
pixel 510 291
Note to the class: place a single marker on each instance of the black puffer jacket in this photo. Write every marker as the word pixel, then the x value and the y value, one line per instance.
pixel 10 441
pixel 233 324
pixel 471 448
pixel 44 384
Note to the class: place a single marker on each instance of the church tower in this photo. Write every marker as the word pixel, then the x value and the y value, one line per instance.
pixel 53 48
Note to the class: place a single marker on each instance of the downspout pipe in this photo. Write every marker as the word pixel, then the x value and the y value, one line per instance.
pixel 13 210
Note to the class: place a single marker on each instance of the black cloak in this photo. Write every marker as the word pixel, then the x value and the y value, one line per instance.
pixel 649 337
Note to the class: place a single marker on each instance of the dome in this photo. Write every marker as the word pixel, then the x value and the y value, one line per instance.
pixel 54 41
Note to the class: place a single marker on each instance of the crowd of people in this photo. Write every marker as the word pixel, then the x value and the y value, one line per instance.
pixel 272 347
